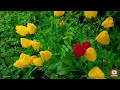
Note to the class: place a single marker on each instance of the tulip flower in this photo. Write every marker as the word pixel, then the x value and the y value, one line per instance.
pixel 46 55
pixel 108 22
pixel 35 45
pixel 90 14
pixel 62 23
pixel 90 54
pixel 103 38
pixel 22 63
pixel 96 73
pixel 22 30
pixel 31 28
pixel 26 43
pixel 79 50
pixel 86 44
pixel 32 58
pixel 37 62
pixel 59 13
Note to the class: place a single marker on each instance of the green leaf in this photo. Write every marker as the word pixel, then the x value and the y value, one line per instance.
pixel 62 69
pixel 68 59
pixel 53 66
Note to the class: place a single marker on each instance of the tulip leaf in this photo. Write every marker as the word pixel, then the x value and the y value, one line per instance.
pixel 63 69
pixel 68 59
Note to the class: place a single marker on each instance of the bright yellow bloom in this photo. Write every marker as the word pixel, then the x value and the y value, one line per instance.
pixel 96 73
pixel 22 63
pixel 108 22
pixel 62 23
pixel 32 58
pixel 46 55
pixel 58 13
pixel 22 30
pixel 37 62
pixel 35 45
pixel 90 54
pixel 103 38
pixel 90 14
pixel 26 43
pixel 31 28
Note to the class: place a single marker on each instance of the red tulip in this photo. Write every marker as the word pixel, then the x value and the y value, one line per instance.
pixel 86 44
pixel 79 50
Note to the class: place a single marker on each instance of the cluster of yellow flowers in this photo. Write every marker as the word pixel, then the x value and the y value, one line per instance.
pixel 102 38
pixel 24 59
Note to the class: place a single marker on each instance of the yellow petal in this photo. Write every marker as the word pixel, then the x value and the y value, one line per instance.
pixel 22 55
pixel 90 54
pixel 90 14
pixel 46 55
pixel 108 22
pixel 18 64
pixel 31 28
pixel 22 30
pixel 103 38
pixel 36 45
pixel 37 62
pixel 26 43
pixel 59 13
pixel 32 58
pixel 96 73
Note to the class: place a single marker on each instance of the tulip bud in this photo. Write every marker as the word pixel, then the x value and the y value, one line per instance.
pixel 59 13
pixel 96 73
pixel 108 22
pixel 90 14
pixel 103 38
pixel 90 54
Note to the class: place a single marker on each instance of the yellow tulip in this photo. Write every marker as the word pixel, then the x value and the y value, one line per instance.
pixel 90 54
pixel 108 22
pixel 62 23
pixel 37 62
pixel 46 55
pixel 35 45
pixel 59 13
pixel 103 38
pixel 26 43
pixel 90 14
pixel 22 30
pixel 96 73
pixel 22 63
pixel 31 28
pixel 32 58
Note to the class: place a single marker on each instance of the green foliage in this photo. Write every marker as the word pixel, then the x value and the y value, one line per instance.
pixel 60 41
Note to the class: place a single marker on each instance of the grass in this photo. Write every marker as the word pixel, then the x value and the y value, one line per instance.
pixel 58 40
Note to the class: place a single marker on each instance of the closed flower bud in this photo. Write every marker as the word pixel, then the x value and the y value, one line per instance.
pixel 37 62
pixel 90 54
pixel 22 30
pixel 35 45
pixel 46 55
pixel 26 43
pixel 62 23
pixel 59 13
pixel 31 28
pixel 108 22
pixel 86 44
pixel 96 73
pixel 79 50
pixel 90 14
pixel 103 38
